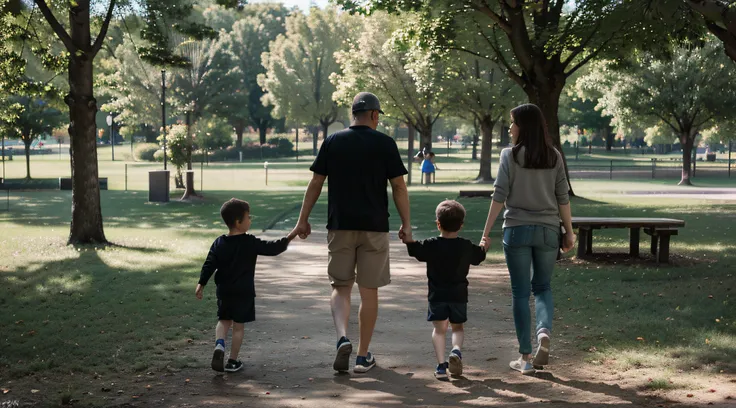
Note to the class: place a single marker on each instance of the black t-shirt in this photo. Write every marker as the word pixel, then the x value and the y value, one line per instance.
pixel 233 257
pixel 358 163
pixel 448 263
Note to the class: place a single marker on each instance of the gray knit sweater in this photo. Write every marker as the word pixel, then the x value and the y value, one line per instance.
pixel 532 196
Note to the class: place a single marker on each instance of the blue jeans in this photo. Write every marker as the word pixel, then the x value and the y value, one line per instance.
pixel 531 253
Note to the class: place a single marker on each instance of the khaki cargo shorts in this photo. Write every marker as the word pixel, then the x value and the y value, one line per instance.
pixel 360 256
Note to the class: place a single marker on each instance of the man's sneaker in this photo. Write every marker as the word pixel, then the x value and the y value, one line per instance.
pixel 541 359
pixel 218 358
pixel 233 365
pixel 456 362
pixel 363 364
pixel 440 372
pixel 342 359
pixel 522 366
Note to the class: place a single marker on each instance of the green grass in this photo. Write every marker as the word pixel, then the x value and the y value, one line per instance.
pixel 133 300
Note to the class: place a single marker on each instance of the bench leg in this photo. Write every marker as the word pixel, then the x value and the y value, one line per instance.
pixel 589 246
pixel 654 244
pixel 634 234
pixel 664 249
pixel 582 242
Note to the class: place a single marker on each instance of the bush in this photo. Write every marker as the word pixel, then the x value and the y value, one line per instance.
pixel 213 135
pixel 283 145
pixel 159 155
pixel 146 152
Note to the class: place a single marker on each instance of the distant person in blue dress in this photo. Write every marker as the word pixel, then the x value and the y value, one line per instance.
pixel 428 167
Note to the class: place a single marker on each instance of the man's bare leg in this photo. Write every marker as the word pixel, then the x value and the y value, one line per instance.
pixel 340 304
pixel 367 318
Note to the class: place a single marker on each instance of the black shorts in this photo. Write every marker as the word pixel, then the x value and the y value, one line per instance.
pixel 238 310
pixel 455 311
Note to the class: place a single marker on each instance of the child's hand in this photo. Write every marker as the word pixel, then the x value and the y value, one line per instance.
pixel 198 292
pixel 485 243
pixel 293 234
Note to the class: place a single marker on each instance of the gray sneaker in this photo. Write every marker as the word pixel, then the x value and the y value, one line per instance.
pixel 522 366
pixel 541 358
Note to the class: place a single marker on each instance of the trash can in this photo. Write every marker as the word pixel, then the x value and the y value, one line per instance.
pixel 158 186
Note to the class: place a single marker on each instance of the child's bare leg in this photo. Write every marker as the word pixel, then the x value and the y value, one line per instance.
pixel 438 339
pixel 238 333
pixel 458 336
pixel 223 326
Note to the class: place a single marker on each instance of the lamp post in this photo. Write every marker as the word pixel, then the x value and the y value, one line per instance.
pixel 163 110
pixel 3 142
pixel 111 124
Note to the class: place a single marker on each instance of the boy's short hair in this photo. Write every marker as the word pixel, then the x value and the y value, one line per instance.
pixel 234 210
pixel 431 154
pixel 450 215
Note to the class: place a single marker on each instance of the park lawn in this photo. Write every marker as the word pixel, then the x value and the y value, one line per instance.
pixel 73 314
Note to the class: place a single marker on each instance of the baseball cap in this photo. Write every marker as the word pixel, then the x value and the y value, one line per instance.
pixel 366 101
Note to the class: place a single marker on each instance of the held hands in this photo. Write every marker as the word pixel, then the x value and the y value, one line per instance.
pixel 485 243
pixel 405 234
pixel 198 292
pixel 303 229
pixel 568 241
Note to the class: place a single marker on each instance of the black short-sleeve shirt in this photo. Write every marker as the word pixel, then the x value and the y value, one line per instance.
pixel 358 163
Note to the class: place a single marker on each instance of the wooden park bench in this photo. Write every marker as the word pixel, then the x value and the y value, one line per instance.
pixel 660 229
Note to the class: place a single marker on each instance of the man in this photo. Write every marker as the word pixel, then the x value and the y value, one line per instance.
pixel 358 161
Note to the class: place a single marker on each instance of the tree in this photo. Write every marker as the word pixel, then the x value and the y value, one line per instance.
pixel 581 113
pixel 538 43
pixel 35 118
pixel 412 84
pixel 684 90
pixel 247 40
pixel 298 68
pixel 203 87
pixel 81 48
pixel 720 19
pixel 134 87
pixel 488 95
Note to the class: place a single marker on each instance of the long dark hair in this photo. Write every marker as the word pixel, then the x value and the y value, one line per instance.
pixel 539 153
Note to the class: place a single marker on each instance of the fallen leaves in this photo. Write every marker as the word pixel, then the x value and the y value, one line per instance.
pixel 5 390
pixel 690 395
pixel 640 338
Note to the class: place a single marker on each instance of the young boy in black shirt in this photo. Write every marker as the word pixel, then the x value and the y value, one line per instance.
pixel 448 259
pixel 233 257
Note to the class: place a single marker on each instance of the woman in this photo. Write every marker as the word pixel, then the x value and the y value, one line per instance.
pixel 531 183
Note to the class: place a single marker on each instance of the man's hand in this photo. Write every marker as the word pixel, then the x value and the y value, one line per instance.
pixel 405 234
pixel 198 292
pixel 485 243
pixel 568 241
pixel 303 229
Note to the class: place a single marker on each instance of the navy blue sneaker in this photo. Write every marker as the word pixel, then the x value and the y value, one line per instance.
pixel 342 359
pixel 456 362
pixel 363 364
pixel 441 372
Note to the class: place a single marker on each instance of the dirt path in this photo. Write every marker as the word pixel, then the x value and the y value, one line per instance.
pixel 288 351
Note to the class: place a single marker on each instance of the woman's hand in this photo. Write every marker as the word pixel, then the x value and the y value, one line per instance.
pixel 568 241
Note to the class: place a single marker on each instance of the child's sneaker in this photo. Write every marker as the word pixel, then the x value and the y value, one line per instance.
pixel 218 358
pixel 342 359
pixel 233 365
pixel 456 362
pixel 522 366
pixel 363 364
pixel 440 372
pixel 541 359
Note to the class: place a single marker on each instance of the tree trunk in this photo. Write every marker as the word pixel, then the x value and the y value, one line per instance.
pixel 505 139
pixel 325 129
pixel 609 137
pixel 189 183
pixel 86 226
pixel 239 129
pixel 486 147
pixel 546 95
pixel 425 135
pixel 315 137
pixel 476 138
pixel 687 150
pixel 27 140
pixel 262 134
pixel 410 163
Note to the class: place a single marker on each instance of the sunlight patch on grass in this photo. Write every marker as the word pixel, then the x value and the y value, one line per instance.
pixel 78 283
